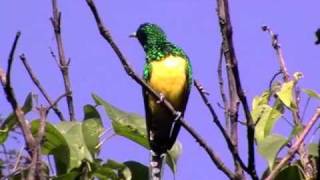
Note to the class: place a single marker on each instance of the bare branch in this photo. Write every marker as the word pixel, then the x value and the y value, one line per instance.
pixel 295 147
pixel 222 92
pixel 230 144
pixel 235 87
pixel 107 36
pixel 30 142
pixel 63 63
pixel 277 47
pixel 54 103
pixel 36 81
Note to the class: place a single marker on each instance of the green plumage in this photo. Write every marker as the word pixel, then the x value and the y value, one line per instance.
pixel 168 71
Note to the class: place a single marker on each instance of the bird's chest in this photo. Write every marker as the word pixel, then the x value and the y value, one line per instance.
pixel 168 76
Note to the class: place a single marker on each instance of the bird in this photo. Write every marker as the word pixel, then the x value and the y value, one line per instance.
pixel 168 71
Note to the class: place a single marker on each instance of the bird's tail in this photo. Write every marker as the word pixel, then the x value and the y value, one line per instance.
pixel 155 169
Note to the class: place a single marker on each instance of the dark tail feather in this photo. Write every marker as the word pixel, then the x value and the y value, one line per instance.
pixel 155 168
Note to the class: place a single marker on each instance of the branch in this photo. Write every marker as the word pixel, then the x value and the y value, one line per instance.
pixel 222 92
pixel 295 147
pixel 63 63
pixel 277 47
pixel 235 83
pixel 6 83
pixel 107 36
pixel 230 144
pixel 40 87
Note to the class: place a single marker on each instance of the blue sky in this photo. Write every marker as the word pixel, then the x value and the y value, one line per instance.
pixel 193 26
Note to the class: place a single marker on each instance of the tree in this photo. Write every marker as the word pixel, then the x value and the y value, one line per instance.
pixel 75 144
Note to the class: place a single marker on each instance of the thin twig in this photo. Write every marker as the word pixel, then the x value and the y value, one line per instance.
pixel 295 147
pixel 276 46
pixel 231 147
pixel 29 140
pixel 63 63
pixel 54 103
pixel 18 160
pixel 107 36
pixel 222 92
pixel 235 83
pixel 36 81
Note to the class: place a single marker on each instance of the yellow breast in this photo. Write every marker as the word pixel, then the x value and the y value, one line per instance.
pixel 168 76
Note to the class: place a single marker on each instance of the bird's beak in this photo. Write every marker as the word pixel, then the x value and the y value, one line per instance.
pixel 133 35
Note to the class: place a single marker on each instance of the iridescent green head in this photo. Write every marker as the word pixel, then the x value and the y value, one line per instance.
pixel 150 35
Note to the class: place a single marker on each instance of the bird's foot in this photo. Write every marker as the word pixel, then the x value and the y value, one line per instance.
pixel 178 115
pixel 161 98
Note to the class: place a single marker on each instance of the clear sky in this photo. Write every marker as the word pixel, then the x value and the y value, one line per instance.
pixel 192 25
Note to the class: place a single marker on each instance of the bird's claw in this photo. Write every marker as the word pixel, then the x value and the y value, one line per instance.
pixel 161 99
pixel 178 115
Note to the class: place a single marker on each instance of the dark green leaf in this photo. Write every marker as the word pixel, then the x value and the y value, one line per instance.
pixel 91 112
pixel 11 120
pixel 290 172
pixel 138 170
pixel 113 170
pixel 270 147
pixel 68 176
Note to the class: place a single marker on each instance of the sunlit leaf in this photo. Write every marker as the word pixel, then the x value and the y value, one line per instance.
pixel 92 128
pixel 72 132
pixel 129 125
pixel 133 127
pixel 270 147
pixel 11 120
pixel 285 94
pixel 54 144
pixel 260 100
pixel 264 116
pixel 313 149
pixel 311 93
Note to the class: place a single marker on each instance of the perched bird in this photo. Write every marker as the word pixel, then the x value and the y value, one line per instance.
pixel 167 71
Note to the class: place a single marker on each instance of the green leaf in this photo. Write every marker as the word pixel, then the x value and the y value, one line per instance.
pixel 311 93
pixel 54 144
pixel 285 94
pixel 91 112
pixel 265 116
pixel 129 125
pixel 133 127
pixel 290 172
pixel 113 170
pixel 270 147
pixel 11 120
pixel 68 176
pixel 313 149
pixel 260 100
pixel 138 170
pixel 79 152
pixel 92 128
